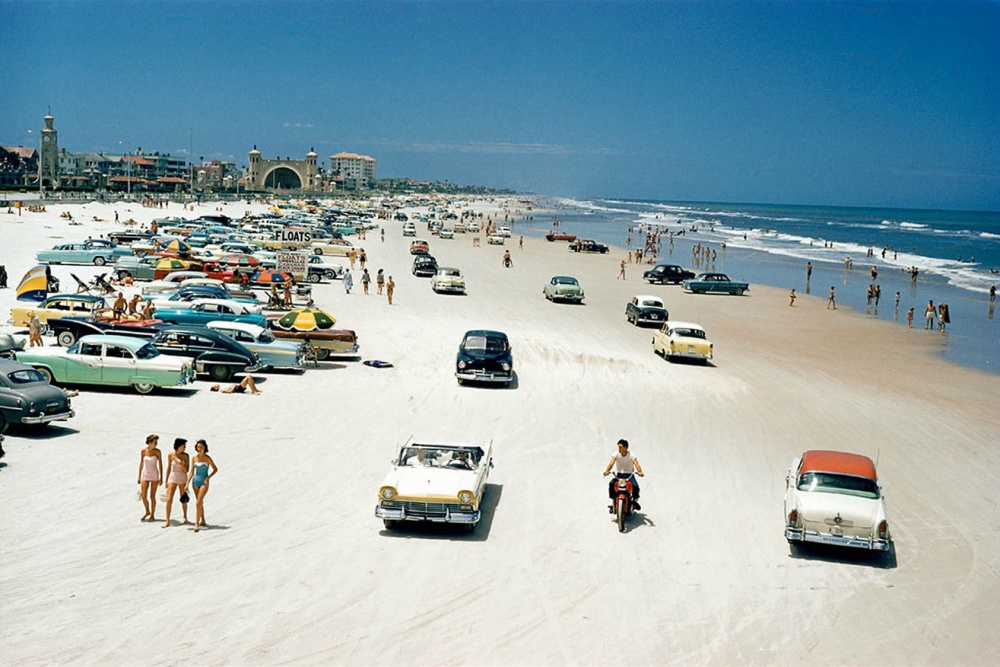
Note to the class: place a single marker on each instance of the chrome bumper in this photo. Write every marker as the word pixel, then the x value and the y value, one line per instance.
pixel 394 514
pixel 45 419
pixel 484 377
pixel 870 543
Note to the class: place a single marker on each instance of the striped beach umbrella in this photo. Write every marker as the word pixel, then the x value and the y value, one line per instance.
pixel 171 264
pixel 270 277
pixel 33 286
pixel 239 261
pixel 178 246
pixel 306 319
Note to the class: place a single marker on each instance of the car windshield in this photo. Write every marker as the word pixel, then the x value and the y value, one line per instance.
pixel 488 343
pixel 690 333
pixel 457 459
pixel 25 376
pixel 147 351
pixel 834 483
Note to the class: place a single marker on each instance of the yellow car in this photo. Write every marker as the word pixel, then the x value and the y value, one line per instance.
pixel 58 305
pixel 682 339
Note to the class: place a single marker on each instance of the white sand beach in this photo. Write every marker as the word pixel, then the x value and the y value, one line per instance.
pixel 295 569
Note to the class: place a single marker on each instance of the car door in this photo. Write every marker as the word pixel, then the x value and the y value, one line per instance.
pixel 85 364
pixel 119 365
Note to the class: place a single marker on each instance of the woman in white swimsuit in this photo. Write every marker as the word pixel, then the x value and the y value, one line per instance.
pixel 178 463
pixel 150 475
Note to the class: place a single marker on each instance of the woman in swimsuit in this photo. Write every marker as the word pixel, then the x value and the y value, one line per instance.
pixel 178 462
pixel 150 475
pixel 198 479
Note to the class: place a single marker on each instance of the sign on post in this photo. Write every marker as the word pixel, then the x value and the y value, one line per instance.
pixel 293 262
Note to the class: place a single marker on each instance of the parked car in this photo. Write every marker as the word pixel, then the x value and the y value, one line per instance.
pixel 484 356
pixel 212 353
pixel 337 247
pixel 563 288
pixel 273 353
pixel 667 273
pixel 68 330
pixel 646 309
pixel 684 340
pixel 172 282
pixel 117 361
pixel 318 266
pixel 419 247
pixel 26 397
pixel 76 253
pixel 59 305
pixel 190 294
pixel 328 343
pixel 139 268
pixel 587 245
pixel 715 282
pixel 448 279
pixel 835 498
pixel 202 311
pixel 435 482
pixel 424 266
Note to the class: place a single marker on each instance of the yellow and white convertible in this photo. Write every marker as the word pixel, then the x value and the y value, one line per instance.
pixel 435 482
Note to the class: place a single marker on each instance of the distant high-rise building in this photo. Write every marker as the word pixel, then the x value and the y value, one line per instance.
pixel 355 170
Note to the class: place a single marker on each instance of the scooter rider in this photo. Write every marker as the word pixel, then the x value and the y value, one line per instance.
pixel 626 466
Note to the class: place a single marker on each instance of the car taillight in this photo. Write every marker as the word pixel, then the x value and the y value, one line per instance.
pixel 883 529
pixel 793 518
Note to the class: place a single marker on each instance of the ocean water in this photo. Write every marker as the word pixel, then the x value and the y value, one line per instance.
pixel 957 254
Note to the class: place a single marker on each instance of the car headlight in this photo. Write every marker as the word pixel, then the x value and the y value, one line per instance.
pixel 388 493
pixel 461 364
pixel 505 366
pixel 465 496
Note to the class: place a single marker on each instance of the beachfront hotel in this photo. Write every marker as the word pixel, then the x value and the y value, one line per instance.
pixel 353 171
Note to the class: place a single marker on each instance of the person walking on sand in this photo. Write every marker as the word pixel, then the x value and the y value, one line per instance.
pixel 621 269
pixel 352 257
pixel 150 475
pixel 348 282
pixel 287 300
pixel 362 259
pixel 791 297
pixel 520 245
pixel 929 314
pixel 199 478
pixel 831 302
pixel 3 277
pixel 390 286
pixel 365 280
pixel 34 330
pixel 178 463
pixel 909 318
pixel 379 282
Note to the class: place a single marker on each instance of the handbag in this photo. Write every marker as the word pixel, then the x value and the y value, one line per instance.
pixel 185 497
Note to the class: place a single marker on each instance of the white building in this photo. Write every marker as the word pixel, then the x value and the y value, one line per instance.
pixel 355 171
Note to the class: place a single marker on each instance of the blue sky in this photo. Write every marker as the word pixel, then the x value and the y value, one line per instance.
pixel 847 103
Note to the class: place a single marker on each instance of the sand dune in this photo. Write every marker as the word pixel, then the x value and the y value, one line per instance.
pixel 295 569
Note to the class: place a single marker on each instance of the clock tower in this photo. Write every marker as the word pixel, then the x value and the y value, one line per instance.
pixel 48 158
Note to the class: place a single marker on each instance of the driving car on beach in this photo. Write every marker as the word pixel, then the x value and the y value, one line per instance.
pixel 834 498
pixel 424 266
pixel 435 482
pixel 448 279
pixel 682 340
pixel 667 273
pixel 484 356
pixel 646 309
pixel 563 288
pixel 419 247
pixel 715 282
pixel 588 245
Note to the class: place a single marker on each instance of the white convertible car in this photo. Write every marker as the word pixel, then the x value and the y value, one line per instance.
pixel 435 482
pixel 834 498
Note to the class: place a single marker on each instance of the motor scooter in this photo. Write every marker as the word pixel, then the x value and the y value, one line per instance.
pixel 622 502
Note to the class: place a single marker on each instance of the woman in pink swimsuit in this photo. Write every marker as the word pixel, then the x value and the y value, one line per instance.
pixel 150 475
pixel 178 462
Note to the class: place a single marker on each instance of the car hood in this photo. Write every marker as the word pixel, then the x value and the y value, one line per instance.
pixel 417 482
pixel 822 507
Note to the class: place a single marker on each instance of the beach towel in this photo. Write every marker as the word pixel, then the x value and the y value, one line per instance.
pixel 377 363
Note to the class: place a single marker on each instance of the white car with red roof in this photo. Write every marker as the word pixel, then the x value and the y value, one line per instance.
pixel 835 498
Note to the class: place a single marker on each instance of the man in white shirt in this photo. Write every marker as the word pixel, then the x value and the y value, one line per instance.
pixel 626 467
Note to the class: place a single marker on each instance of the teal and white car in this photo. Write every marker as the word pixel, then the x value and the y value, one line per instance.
pixel 273 353
pixel 82 253
pixel 117 361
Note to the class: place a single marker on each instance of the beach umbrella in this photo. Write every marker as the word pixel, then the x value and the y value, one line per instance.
pixel 34 285
pixel 178 246
pixel 239 261
pixel 306 319
pixel 270 276
pixel 171 264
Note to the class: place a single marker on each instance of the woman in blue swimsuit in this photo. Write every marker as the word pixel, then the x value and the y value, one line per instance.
pixel 199 476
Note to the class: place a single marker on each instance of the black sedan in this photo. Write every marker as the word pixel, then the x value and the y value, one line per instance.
pixel 484 356
pixel 667 273
pixel 588 245
pixel 424 266
pixel 26 398
pixel 213 353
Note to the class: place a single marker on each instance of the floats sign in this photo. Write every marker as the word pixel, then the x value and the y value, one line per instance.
pixel 295 263
pixel 293 236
